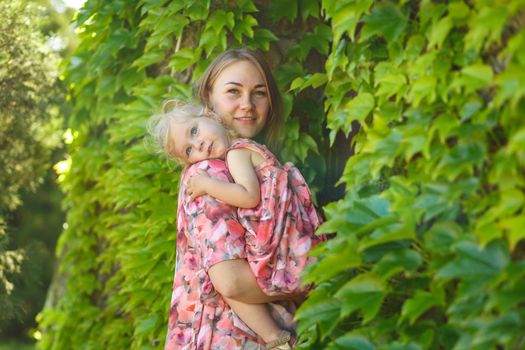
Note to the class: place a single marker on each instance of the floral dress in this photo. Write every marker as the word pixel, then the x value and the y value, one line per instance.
pixel 280 231
pixel 208 233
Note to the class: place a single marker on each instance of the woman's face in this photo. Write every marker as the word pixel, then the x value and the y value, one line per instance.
pixel 240 96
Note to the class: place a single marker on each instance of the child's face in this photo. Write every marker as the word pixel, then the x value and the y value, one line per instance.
pixel 198 139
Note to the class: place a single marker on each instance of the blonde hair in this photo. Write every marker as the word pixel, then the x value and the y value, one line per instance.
pixel 275 123
pixel 160 125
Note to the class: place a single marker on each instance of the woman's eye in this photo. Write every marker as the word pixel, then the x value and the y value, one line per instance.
pixel 233 91
pixel 188 151
pixel 260 93
pixel 193 131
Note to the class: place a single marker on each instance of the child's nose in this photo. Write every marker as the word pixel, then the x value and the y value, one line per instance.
pixel 199 144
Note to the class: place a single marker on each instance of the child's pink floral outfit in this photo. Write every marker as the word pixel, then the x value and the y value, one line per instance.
pixel 274 237
pixel 208 233
pixel 280 231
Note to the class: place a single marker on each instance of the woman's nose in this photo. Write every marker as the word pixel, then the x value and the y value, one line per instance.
pixel 246 102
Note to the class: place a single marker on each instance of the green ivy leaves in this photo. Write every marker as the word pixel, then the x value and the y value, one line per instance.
pixel 428 246
pixel 437 108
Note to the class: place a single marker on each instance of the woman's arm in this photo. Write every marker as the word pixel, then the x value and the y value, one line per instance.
pixel 244 193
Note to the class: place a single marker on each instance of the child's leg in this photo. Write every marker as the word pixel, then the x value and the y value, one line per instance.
pixel 257 317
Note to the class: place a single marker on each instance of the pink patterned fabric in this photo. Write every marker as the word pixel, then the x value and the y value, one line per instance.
pixel 280 231
pixel 208 233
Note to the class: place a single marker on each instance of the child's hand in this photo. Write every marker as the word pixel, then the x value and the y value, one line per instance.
pixel 196 184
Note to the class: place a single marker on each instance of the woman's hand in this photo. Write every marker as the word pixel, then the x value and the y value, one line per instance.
pixel 196 185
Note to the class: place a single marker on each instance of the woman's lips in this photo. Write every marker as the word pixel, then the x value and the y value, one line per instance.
pixel 249 119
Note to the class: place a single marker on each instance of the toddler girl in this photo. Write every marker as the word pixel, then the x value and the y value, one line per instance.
pixel 274 203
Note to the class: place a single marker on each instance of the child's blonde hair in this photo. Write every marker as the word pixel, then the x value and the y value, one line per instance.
pixel 175 112
pixel 160 125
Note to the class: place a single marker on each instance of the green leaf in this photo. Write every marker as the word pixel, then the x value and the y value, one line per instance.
pixel 106 86
pixel 244 26
pixel 220 19
pixel 387 232
pixel 507 298
pixel 423 88
pixel 473 77
pixel 351 341
pixel 309 8
pixel 364 293
pixel 516 144
pixel 515 228
pixel 439 32
pixel 397 261
pixel 401 346
pixel 314 80
pixel 487 23
pixel 487 231
pixel 148 59
pixel 358 108
pixel 198 10
pixel 346 17
pixel 210 39
pixel 296 84
pixel 441 236
pixel 319 310
pixel 340 258
pixel 129 78
pixel 473 263
pixel 458 10
pixel 184 58
pixel 262 38
pixel 283 9
pixel 462 159
pixel 144 326
pixel 389 80
pixel 387 20
pixel 414 307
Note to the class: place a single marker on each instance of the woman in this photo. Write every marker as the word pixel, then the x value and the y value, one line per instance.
pixel 211 260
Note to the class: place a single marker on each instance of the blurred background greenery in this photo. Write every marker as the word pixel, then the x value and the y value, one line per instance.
pixel 35 35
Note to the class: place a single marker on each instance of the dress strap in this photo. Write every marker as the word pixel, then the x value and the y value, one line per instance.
pixel 254 146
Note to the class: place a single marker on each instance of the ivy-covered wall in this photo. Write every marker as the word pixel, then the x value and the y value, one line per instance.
pixel 428 251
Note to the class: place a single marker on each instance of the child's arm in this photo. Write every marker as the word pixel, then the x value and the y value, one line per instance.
pixel 244 193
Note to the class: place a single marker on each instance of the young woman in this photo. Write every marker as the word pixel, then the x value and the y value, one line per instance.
pixel 211 256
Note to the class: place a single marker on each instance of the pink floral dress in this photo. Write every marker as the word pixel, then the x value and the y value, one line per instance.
pixel 280 231
pixel 208 233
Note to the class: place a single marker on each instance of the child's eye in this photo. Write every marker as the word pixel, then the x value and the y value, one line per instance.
pixel 188 151
pixel 193 131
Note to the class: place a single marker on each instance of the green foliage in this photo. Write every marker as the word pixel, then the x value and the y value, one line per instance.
pixel 28 124
pixel 428 251
pixel 27 79
pixel 429 247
